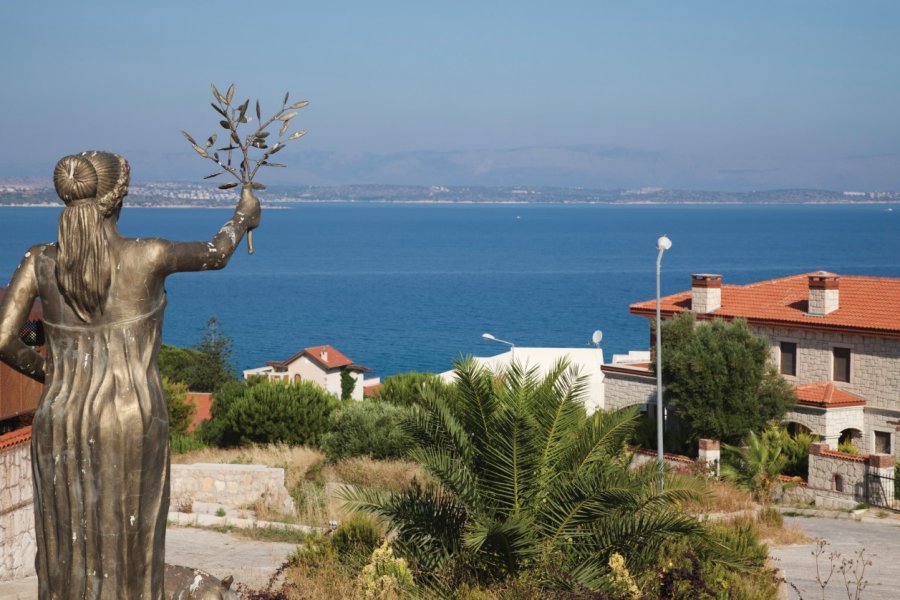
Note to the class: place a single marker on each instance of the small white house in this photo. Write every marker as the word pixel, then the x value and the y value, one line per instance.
pixel 586 360
pixel 321 365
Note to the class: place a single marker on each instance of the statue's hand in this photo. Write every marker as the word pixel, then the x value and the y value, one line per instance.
pixel 249 208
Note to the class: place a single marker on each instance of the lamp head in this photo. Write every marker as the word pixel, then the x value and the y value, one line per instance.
pixel 488 336
pixel 663 243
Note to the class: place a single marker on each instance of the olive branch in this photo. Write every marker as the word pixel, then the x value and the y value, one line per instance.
pixel 254 148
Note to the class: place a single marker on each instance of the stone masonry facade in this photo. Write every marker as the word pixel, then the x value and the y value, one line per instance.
pixel 627 390
pixel 17 537
pixel 237 486
pixel 874 376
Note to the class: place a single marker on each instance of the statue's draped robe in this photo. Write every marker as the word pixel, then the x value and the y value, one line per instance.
pixel 101 462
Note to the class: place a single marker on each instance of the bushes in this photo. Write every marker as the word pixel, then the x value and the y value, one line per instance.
pixel 180 410
pixel 405 389
pixel 270 412
pixel 367 429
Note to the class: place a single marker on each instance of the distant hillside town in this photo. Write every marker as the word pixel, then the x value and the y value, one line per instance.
pixel 171 194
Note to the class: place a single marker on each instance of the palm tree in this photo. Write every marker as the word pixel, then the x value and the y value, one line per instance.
pixel 525 479
pixel 757 466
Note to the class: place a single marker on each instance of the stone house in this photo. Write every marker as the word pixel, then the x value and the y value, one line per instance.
pixel 835 338
pixel 321 365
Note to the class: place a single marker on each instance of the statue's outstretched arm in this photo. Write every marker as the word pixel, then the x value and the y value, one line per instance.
pixel 173 257
pixel 14 309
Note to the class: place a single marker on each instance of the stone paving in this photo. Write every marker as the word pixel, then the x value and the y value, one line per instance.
pixel 251 562
pixel 879 538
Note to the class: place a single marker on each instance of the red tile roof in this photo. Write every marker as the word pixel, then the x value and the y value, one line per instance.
pixel 825 394
pixel 203 403
pixel 37 312
pixel 866 304
pixel 325 356
pixel 15 438
pixel 372 390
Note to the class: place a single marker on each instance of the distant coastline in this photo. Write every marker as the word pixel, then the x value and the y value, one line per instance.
pixel 196 195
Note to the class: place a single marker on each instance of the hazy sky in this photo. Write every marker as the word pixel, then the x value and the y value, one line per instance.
pixel 716 95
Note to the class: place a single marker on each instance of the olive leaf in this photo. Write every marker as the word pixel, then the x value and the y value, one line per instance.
pixel 243 109
pixel 258 112
pixel 211 140
pixel 257 186
pixel 275 149
pixel 266 163
pixel 216 93
pixel 287 116
pixel 211 175
pixel 297 135
pixel 229 95
pixel 301 104
pixel 189 138
pixel 200 150
pixel 225 124
pixel 286 94
pixel 284 128
pixel 219 110
pixel 228 186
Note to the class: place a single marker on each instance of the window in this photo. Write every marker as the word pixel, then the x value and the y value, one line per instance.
pixel 837 483
pixel 882 442
pixel 788 358
pixel 841 361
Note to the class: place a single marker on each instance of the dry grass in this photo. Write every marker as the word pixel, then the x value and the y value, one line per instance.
pixel 721 497
pixel 310 480
pixel 390 475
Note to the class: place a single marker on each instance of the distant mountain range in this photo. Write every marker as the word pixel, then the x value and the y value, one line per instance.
pixel 181 194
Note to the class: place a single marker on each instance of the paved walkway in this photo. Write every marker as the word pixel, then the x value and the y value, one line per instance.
pixel 251 562
pixel 880 539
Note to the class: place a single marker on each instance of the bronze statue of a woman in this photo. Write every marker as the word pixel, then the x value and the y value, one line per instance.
pixel 99 445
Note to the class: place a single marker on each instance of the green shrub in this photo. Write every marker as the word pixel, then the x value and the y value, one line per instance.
pixel 366 428
pixel 182 443
pixel 180 410
pixel 214 431
pixel 355 539
pixel 271 412
pixel 405 389
pixel 848 448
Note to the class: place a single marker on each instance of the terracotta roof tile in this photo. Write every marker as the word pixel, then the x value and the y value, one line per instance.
pixel 325 356
pixel 826 394
pixel 865 304
pixel 14 438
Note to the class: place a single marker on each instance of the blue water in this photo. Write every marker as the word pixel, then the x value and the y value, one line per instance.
pixel 412 287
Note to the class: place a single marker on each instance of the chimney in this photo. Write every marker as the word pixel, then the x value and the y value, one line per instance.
pixel 324 355
pixel 706 292
pixel 823 293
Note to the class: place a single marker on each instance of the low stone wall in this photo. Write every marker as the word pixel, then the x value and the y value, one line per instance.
pixel 643 456
pixel 17 537
pixel 229 485
pixel 839 480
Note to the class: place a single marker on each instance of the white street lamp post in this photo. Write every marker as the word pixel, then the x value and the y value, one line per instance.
pixel 512 351
pixel 662 244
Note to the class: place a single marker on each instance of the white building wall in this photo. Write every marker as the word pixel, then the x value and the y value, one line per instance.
pixel 17 537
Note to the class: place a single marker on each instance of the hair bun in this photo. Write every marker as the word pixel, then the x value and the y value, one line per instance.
pixel 75 178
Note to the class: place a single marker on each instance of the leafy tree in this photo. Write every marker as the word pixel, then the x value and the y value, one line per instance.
pixel 181 411
pixel 204 368
pixel 214 367
pixel 526 481
pixel 274 411
pixel 348 384
pixel 367 428
pixel 718 378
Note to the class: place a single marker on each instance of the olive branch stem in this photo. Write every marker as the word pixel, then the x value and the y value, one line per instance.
pixel 232 118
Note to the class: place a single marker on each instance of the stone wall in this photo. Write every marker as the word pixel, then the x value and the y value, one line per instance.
pixel 17 538
pixel 230 485
pixel 623 389
pixel 842 474
pixel 874 362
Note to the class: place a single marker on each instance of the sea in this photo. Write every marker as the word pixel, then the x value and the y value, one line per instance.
pixel 413 287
